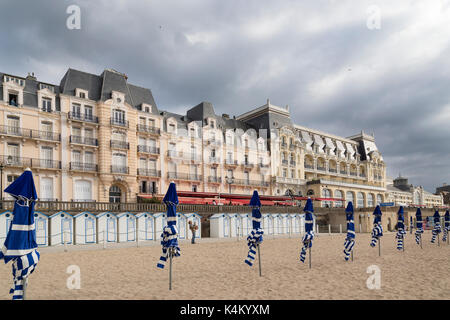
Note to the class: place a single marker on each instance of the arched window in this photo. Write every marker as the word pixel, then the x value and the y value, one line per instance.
pixel 379 199
pixel 326 193
pixel 310 192
pixel 370 200
pixel 349 197
pixel 338 194
pixel 115 194
pixel 360 199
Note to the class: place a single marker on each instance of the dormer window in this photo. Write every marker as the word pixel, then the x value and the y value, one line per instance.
pixel 171 128
pixel 43 86
pixel 212 123
pixel 13 99
pixel 18 81
pixel 46 105
pixel 80 93
pixel 146 108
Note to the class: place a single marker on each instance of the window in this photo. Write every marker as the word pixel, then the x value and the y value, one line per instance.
pixel 171 128
pixel 82 95
pixel 212 124
pixel 89 158
pixel 76 157
pixel 230 157
pixel 338 194
pixel 192 132
pixel 88 114
pixel 247 177
pixel 119 116
pixel 13 125
pixel 76 131
pixel 370 200
pixel 326 193
pixel 213 153
pixel 46 86
pixel 230 173
pixel 46 105
pixel 292 174
pixel 47 156
pixel 76 110
pixel 13 153
pixel 13 99
pixel 284 173
pixel 11 178
pixel 245 159
pixel 349 197
pixel 214 172
pixel 360 200
pixel 147 109
pixel 89 133
pixel 194 188
pixel 379 199
pixel 151 123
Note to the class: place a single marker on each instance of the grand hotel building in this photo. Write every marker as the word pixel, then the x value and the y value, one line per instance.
pixel 100 138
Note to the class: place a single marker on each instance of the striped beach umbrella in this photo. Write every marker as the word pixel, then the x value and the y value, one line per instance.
pixel 169 236
pixel 309 232
pixel 255 237
pixel 437 227
pixel 377 231
pixel 400 229
pixel 20 244
pixel 350 239
pixel 446 226
pixel 410 224
pixel 419 227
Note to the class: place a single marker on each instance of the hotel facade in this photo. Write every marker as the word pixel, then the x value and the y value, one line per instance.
pixel 100 138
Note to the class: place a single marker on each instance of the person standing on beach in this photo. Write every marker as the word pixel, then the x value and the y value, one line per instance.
pixel 193 227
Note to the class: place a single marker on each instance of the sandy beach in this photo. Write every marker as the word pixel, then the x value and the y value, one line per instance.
pixel 216 270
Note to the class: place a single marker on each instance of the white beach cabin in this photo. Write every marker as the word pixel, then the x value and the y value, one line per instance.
pixel 61 228
pixel 160 223
pixel 285 223
pixel 85 228
pixel 267 219
pixel 197 219
pixel 5 222
pixel 106 227
pixel 126 229
pixel 246 224
pixel 41 226
pixel 277 223
pixel 219 225
pixel 181 226
pixel 145 226
pixel 235 224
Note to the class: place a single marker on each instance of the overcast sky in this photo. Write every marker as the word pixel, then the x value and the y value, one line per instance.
pixel 319 57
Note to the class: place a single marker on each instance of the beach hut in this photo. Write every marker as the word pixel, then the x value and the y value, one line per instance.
pixel 268 223
pixel 106 227
pixel 220 225
pixel 145 226
pixel 296 223
pixel 197 219
pixel 5 221
pixel 126 227
pixel 61 228
pixel 246 223
pixel 235 224
pixel 160 221
pixel 285 222
pixel 182 226
pixel 41 226
pixel 85 228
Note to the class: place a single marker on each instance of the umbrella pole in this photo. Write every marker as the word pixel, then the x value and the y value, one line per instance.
pixel 352 255
pixel 421 242
pixel 379 247
pixel 259 260
pixel 170 269
pixel 438 240
pixel 309 256
pixel 24 288
pixel 403 243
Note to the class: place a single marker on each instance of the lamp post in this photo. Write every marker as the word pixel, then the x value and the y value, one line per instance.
pixel 229 181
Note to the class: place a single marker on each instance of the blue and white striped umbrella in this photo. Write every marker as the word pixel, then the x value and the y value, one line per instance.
pixel 446 225
pixel 400 228
pixel 350 239
pixel 256 235
pixel 437 226
pixel 20 244
pixel 309 226
pixel 377 231
pixel 169 236
pixel 419 226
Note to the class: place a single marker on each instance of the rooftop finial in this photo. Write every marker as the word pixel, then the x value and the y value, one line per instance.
pixel 268 101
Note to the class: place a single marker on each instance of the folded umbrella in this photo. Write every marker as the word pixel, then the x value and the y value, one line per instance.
pixel 400 229
pixel 255 237
pixel 419 227
pixel 350 239
pixel 446 225
pixel 20 244
pixel 437 226
pixel 309 232
pixel 377 231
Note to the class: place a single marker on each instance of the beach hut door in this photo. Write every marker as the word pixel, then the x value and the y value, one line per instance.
pixel 41 232
pixel 149 229
pixel 182 227
pixel 90 232
pixel 66 230
pixel 226 227
pixel 111 230
pixel 131 229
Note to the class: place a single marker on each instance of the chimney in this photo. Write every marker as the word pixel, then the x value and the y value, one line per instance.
pixel 31 76
pixel 225 116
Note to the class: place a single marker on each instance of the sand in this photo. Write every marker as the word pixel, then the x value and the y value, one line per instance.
pixel 216 270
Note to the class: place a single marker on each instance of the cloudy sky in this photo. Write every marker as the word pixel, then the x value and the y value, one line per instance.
pixel 341 66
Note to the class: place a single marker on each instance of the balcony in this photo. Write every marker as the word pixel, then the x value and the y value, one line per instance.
pixel 248 165
pixel 147 149
pixel 83 140
pixel 75 116
pixel 332 170
pixel 245 182
pixel 353 174
pixel 284 145
pixel 231 162
pixel 184 176
pixel 119 123
pixel 148 172
pixel 119 169
pixel 45 135
pixel 80 166
pixel 213 179
pixel 15 131
pixel 292 163
pixel 321 168
pixel 343 172
pixel 214 160
pixel 362 175
pixel 309 166
pixel 117 144
pixel 148 190
pixel 148 129
pixel 284 162
pixel 20 162
pixel 262 165
pixel 291 146
pixel 181 155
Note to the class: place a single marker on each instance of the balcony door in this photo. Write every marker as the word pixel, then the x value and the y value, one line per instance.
pixel 46 188
pixel 83 190
pixel 47 157
pixel 115 194
pixel 13 125
pixel 13 153
pixel 119 116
